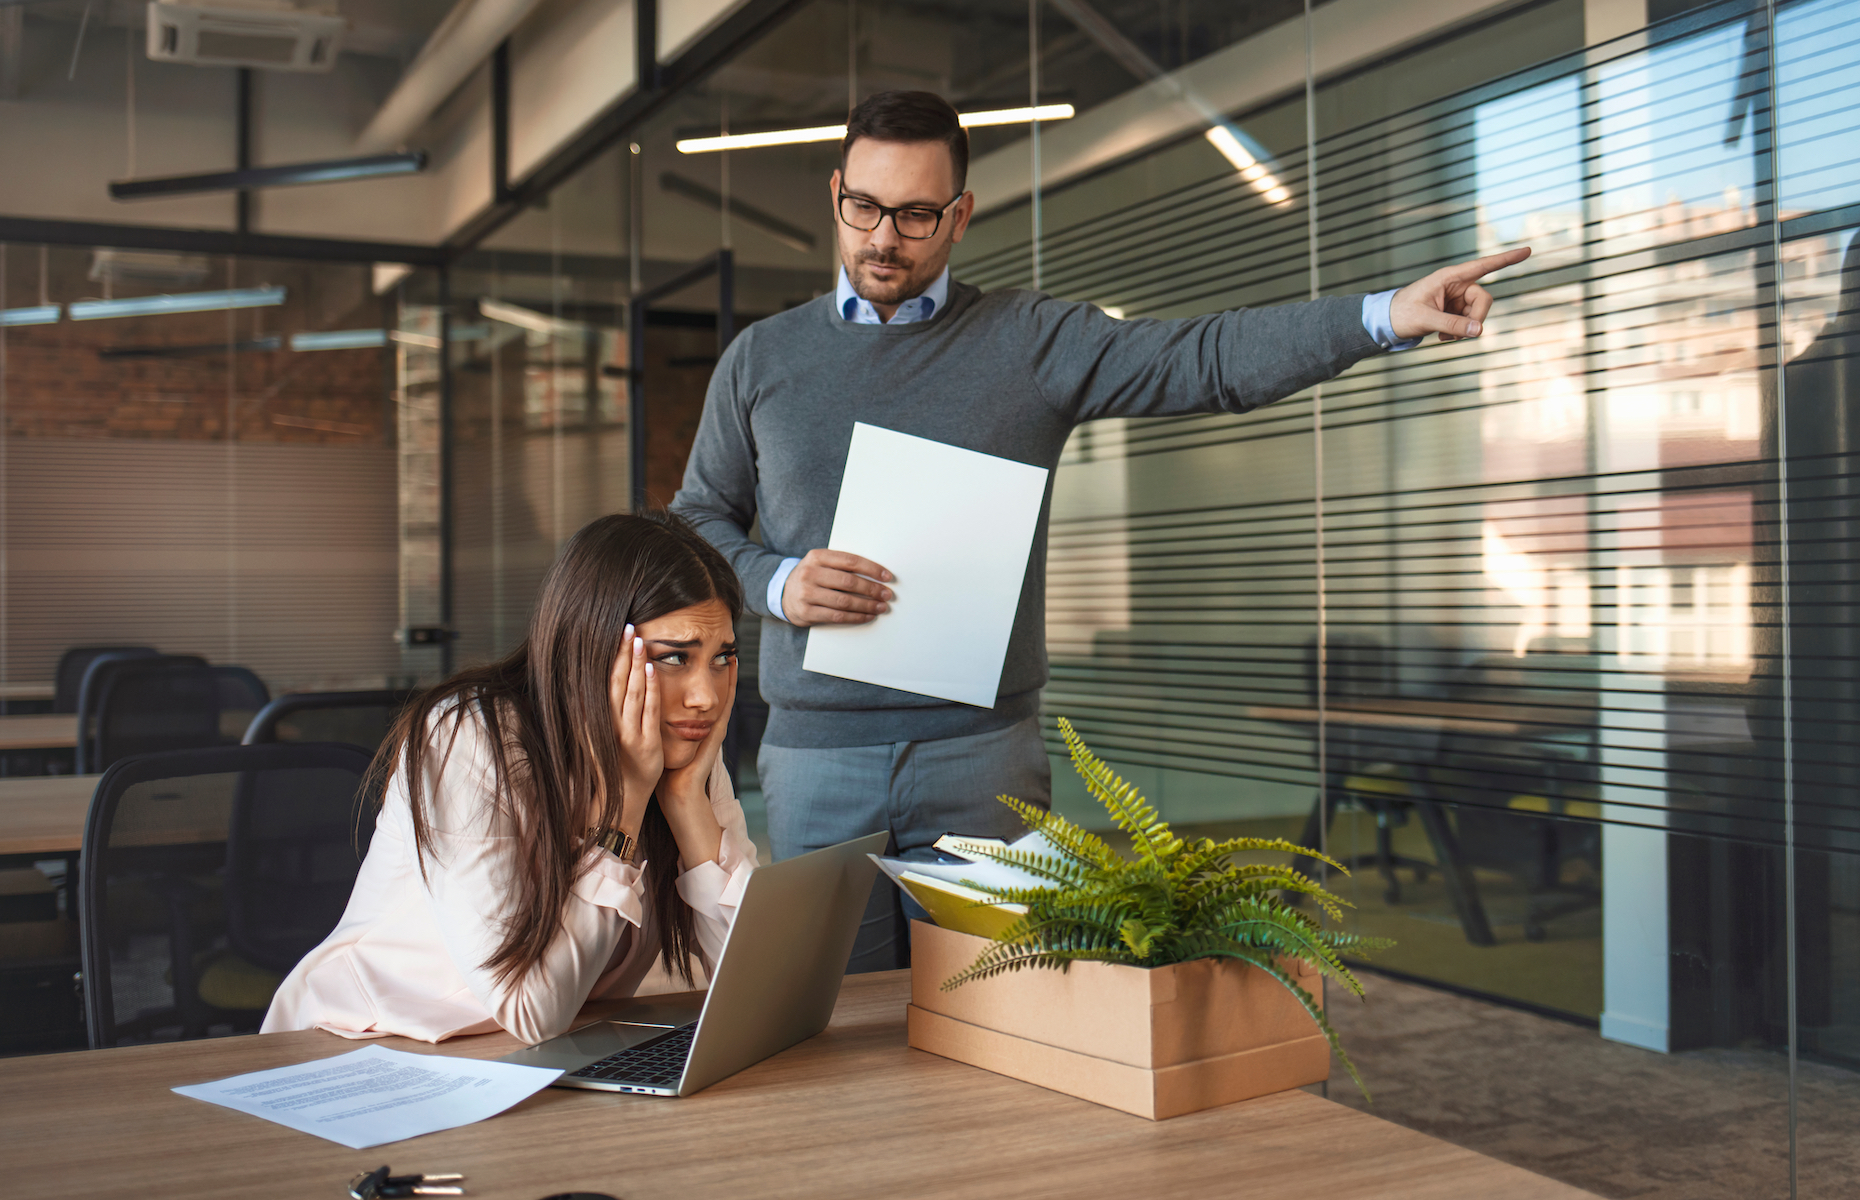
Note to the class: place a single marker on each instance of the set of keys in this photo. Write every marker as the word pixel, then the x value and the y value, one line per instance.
pixel 379 1185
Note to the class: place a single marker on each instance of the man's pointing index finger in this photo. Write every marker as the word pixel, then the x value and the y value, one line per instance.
pixel 1480 267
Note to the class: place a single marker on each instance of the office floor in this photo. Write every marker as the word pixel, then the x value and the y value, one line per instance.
pixel 1555 1098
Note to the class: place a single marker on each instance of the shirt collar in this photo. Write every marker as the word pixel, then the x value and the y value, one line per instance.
pixel 855 308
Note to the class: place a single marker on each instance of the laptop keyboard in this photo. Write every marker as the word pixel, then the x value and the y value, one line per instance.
pixel 657 1063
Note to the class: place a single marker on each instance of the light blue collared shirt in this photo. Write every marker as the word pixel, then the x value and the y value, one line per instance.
pixel 855 308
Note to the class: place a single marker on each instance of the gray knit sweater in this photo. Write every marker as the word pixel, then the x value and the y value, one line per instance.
pixel 1009 373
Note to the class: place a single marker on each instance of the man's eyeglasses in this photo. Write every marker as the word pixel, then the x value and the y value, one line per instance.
pixel 911 221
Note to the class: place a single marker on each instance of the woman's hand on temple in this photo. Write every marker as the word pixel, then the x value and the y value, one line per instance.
pixel 633 694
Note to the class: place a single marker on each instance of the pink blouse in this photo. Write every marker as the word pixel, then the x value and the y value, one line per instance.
pixel 408 956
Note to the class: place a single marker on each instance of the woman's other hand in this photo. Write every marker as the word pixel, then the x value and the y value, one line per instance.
pixel 633 694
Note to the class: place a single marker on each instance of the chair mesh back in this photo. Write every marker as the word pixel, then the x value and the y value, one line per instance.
pixel 99 677
pixel 358 718
pixel 156 907
pixel 148 708
pixel 204 885
pixel 71 667
pixel 242 696
pixel 296 844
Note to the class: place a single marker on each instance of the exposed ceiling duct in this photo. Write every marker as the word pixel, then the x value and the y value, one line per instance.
pixel 463 41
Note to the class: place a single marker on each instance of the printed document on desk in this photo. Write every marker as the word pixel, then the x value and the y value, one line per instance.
pixel 373 1096
pixel 955 528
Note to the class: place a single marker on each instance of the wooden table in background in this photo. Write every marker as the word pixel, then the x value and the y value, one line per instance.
pixel 1446 716
pixel 851 1113
pixel 44 690
pixel 58 731
pixel 44 814
pixel 40 731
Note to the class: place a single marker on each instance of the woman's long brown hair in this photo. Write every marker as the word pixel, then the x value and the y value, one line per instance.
pixel 550 726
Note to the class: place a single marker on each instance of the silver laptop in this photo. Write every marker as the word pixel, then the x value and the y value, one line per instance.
pixel 775 985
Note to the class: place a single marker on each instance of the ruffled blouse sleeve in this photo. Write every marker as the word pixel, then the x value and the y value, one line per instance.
pixel 714 889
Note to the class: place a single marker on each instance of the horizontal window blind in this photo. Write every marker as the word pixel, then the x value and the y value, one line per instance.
pixel 1600 559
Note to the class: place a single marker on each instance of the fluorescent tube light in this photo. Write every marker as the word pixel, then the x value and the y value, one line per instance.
pixel 833 133
pixel 332 171
pixel 1256 175
pixel 1018 116
pixel 749 141
pixel 44 314
pixel 363 339
pixel 339 339
pixel 186 302
pixel 526 318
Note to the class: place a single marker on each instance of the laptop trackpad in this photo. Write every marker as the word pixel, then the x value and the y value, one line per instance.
pixel 572 1051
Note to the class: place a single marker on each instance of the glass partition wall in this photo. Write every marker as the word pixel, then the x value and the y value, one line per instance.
pixel 200 454
pixel 1546 634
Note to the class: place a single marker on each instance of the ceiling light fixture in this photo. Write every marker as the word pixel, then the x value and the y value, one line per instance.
pixel 1223 138
pixel 186 302
pixel 339 339
pixel 331 171
pixel 527 318
pixel 43 314
pixel 833 133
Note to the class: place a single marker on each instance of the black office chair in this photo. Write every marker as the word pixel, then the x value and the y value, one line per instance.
pixel 72 665
pixel 207 874
pixel 242 695
pixel 150 706
pixel 97 678
pixel 358 718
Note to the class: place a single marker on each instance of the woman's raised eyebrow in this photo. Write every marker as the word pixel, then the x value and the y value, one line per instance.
pixel 684 645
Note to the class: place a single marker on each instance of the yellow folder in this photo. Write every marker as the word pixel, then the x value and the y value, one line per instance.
pixel 953 906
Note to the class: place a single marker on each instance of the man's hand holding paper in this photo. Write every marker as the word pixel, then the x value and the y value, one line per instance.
pixel 832 587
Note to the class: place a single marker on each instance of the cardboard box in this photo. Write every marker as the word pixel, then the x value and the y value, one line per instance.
pixel 1155 1042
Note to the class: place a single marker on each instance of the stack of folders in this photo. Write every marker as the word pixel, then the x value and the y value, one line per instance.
pixel 947 888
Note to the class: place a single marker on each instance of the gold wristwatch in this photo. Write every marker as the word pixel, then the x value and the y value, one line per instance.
pixel 623 846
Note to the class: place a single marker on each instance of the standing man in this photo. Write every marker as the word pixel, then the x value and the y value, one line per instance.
pixel 1009 373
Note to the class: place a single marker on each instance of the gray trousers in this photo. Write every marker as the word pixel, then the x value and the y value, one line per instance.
pixel 917 792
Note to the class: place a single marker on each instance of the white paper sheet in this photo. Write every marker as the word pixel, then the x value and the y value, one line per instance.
pixel 955 528
pixel 373 1096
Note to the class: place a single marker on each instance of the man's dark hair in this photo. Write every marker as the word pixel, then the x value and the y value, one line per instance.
pixel 910 117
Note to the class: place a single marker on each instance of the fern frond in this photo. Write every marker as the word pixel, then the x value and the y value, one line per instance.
pixel 1133 814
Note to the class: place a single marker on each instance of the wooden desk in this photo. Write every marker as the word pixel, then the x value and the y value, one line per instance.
pixel 44 814
pixel 41 731
pixel 44 690
pixel 851 1113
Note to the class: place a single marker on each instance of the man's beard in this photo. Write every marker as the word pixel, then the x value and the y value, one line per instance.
pixel 874 291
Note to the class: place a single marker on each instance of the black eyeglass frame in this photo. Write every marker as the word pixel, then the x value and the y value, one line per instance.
pixel 883 212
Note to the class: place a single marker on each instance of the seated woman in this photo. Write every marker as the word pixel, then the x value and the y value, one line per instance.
pixel 555 820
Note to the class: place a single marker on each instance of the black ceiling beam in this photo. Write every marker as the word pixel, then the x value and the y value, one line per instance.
pixel 500 123
pixel 658 83
pixel 215 241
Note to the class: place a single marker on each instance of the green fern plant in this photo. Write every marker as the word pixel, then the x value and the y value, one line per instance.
pixel 1177 900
